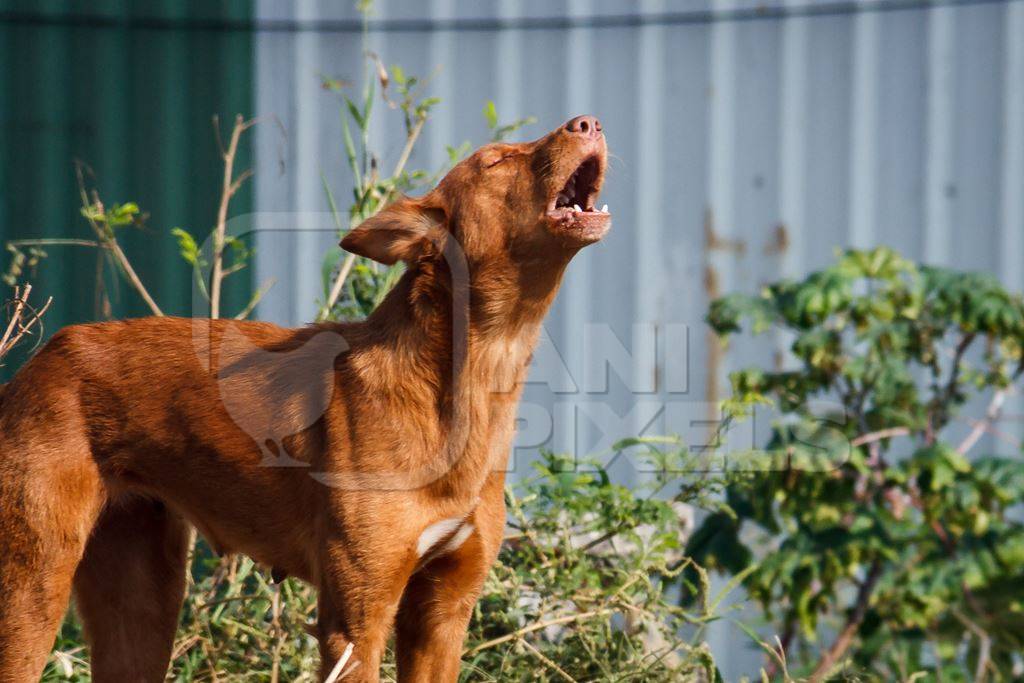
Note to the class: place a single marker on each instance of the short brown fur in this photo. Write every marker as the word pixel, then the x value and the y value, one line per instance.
pixel 322 452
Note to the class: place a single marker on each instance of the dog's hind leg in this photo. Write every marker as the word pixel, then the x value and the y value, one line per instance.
pixel 128 590
pixel 47 508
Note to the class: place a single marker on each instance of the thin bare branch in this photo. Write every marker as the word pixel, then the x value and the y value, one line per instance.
pixel 229 187
pixel 939 410
pixel 234 268
pixel 540 655
pixel 109 242
pixel 992 413
pixel 21 325
pixel 279 634
pixel 580 616
pixel 339 282
pixel 242 177
pixel 881 434
pixel 19 301
pixel 55 242
pixel 216 133
pixel 999 434
pixel 410 142
pixel 335 673
pixel 256 298
pixel 984 646
pixel 845 639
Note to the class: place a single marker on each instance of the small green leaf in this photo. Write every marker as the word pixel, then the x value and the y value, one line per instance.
pixel 491 114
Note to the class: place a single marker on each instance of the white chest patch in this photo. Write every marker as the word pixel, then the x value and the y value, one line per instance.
pixel 448 533
pixel 464 532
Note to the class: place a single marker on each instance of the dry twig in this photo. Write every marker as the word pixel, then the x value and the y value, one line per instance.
pixel 984 646
pixel 23 318
pixel 540 655
pixel 109 242
pixel 537 626
pixel 340 666
pixel 879 436
pixel 229 188
pixel 845 639
pixel 992 413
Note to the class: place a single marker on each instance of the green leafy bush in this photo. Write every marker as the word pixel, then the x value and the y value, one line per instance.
pixel 583 586
pixel 878 530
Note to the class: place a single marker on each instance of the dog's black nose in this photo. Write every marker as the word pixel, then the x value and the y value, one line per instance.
pixel 584 125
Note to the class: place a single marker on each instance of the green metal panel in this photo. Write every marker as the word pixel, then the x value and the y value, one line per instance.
pixel 130 89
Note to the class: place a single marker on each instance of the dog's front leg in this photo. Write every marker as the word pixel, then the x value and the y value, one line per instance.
pixel 356 610
pixel 438 601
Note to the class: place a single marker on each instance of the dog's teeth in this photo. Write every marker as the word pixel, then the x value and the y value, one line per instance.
pixel 576 208
pixel 604 209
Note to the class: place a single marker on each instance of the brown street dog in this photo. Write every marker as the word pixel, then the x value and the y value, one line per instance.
pixel 366 458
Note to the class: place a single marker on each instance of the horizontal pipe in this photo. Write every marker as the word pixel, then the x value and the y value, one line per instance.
pixel 483 23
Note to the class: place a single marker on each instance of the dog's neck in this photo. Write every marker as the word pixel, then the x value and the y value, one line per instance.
pixel 498 305
pixel 464 353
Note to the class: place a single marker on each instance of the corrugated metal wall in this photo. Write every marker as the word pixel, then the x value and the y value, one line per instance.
pixel 750 139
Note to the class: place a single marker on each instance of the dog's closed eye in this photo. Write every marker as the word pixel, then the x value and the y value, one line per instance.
pixel 494 157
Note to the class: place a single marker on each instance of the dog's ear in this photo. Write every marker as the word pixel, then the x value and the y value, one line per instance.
pixel 402 231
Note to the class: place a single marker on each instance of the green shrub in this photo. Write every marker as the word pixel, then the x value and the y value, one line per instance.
pixel 879 529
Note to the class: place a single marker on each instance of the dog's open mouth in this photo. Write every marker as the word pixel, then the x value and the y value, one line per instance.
pixel 580 190
pixel 573 207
